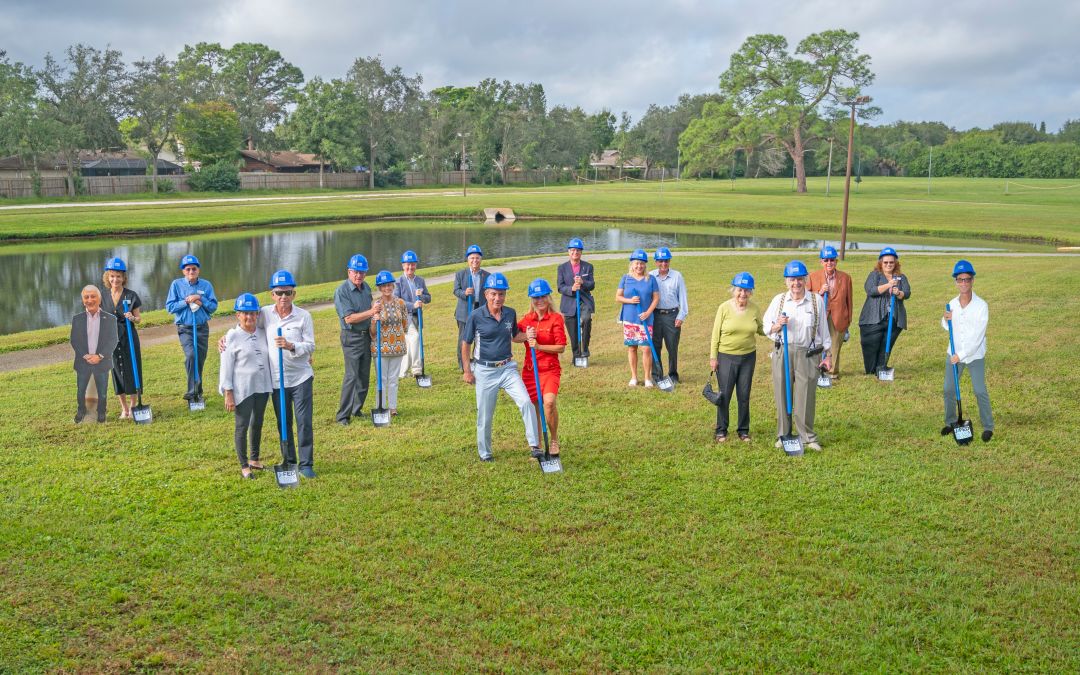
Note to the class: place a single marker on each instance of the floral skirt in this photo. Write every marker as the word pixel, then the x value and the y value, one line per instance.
pixel 634 334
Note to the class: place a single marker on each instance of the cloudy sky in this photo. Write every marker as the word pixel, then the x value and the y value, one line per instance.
pixel 964 62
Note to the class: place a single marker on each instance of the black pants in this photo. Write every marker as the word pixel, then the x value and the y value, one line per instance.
pixel 872 337
pixel 101 381
pixel 457 349
pixel 297 399
pixel 666 334
pixel 586 332
pixel 249 417
pixel 356 346
pixel 735 373
pixel 184 331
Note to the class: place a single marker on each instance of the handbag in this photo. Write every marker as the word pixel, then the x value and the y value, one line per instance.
pixel 709 393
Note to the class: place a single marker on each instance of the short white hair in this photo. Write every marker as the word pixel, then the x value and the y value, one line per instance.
pixel 90 287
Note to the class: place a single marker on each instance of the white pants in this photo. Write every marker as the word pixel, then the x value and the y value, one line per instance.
pixel 390 367
pixel 488 383
pixel 410 363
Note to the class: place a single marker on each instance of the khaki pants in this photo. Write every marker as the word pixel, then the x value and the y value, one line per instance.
pixel 837 338
pixel 804 375
pixel 410 363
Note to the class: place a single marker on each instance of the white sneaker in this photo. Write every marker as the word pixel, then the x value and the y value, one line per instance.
pixel 649 384
pixel 814 445
pixel 633 382
pixel 779 444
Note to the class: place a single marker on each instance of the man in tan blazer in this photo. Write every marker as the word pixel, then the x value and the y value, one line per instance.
pixel 838 285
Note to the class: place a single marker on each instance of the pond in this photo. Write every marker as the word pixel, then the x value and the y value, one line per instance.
pixel 43 280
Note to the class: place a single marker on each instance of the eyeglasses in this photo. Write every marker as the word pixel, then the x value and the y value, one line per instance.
pixel 964 280
pixel 888 262
pixel 283 294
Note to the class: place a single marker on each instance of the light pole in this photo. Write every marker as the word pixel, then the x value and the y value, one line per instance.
pixel 464 190
pixel 861 100
pixel 828 176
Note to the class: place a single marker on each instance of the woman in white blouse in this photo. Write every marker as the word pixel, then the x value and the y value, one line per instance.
pixel 245 380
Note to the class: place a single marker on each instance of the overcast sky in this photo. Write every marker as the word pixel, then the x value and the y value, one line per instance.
pixel 963 62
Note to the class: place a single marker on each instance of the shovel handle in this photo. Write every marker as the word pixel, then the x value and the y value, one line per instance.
pixel 539 397
pixel 952 352
pixel 787 378
pixel 888 333
pixel 420 328
pixel 577 300
pixel 281 385
pixel 131 348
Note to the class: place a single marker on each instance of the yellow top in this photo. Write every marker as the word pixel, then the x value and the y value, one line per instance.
pixel 734 331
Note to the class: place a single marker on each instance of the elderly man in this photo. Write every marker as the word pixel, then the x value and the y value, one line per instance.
pixel 192 301
pixel 467 286
pixel 837 284
pixel 489 364
pixel 413 290
pixel 354 306
pixel 93 337
pixel 575 277
pixel 671 312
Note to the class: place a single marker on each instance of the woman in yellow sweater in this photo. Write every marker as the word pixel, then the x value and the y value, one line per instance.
pixel 733 351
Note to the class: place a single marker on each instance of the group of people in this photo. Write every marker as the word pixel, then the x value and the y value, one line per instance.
pixel 268 354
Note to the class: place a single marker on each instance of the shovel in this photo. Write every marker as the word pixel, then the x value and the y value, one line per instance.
pixel 792 444
pixel 286 474
pixel 823 380
pixel 663 383
pixel 380 416
pixel 548 463
pixel 580 360
pixel 423 380
pixel 141 413
pixel 961 428
pixel 198 402
pixel 886 374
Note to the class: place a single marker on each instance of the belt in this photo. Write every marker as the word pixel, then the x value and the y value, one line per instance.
pixel 667 311
pixel 493 364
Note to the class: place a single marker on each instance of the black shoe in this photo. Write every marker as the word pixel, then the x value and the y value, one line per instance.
pixel 79 417
pixel 674 379
pixel 946 430
pixel 487 459
pixel 101 418
pixel 343 423
pixel 987 435
pixel 536 453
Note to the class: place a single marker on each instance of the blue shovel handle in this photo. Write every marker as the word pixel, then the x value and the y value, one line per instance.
pixel 577 300
pixel 195 347
pixel 787 374
pixel 131 348
pixel 826 304
pixel 539 394
pixel 281 384
pixel 888 332
pixel 420 328
pixel 952 351
pixel 648 337
pixel 378 357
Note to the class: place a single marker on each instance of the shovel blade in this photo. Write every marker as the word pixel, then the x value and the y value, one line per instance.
pixel 550 464
pixel 886 375
pixel 665 384
pixel 824 382
pixel 792 445
pixel 423 381
pixel 581 361
pixel 963 432
pixel 196 404
pixel 142 414
pixel 287 475
pixel 380 417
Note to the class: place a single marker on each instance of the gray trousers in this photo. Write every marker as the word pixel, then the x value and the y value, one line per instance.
pixel 249 417
pixel 735 374
pixel 804 375
pixel 101 381
pixel 298 399
pixel 488 383
pixel 666 334
pixel 183 330
pixel 977 368
pixel 356 347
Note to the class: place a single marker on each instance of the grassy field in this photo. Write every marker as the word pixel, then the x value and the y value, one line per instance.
pixel 1045 211
pixel 137 548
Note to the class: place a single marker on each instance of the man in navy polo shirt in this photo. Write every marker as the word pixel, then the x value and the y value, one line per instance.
pixel 488 363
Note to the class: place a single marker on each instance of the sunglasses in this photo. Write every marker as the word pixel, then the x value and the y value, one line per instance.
pixel 283 294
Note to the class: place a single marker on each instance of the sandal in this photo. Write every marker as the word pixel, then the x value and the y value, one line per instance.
pixel 246 473
pixel 721 438
pixel 553 448
pixel 744 437
pixel 256 464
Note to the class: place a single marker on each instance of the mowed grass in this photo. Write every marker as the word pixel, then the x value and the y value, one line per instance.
pixel 131 548
pixel 1040 210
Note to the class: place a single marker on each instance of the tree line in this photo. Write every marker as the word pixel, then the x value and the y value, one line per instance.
pixel 776 110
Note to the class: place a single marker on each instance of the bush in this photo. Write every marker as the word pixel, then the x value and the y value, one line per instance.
pixel 393 176
pixel 164 185
pixel 219 177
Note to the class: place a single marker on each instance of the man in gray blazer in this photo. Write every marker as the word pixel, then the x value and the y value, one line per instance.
pixel 93 337
pixel 468 285
pixel 573 275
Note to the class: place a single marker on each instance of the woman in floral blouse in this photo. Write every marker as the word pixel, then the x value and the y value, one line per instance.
pixel 394 322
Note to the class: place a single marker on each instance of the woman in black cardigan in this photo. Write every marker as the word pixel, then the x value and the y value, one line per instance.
pixel 884 282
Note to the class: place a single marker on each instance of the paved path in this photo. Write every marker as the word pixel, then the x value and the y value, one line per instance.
pixel 61 353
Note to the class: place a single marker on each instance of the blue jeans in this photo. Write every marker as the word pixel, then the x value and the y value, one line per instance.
pixel 183 330
pixel 488 383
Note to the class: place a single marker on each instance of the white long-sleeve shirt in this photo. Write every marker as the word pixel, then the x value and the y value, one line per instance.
pixel 245 368
pixel 800 321
pixel 297 328
pixel 969 328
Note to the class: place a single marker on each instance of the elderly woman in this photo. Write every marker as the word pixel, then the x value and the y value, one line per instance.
pixel 808 348
pixel 393 317
pixel 734 353
pixel 638 294
pixel 112 301
pixel 884 283
pixel 546 334
pixel 245 380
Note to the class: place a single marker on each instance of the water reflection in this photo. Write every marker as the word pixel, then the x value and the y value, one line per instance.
pixel 43 286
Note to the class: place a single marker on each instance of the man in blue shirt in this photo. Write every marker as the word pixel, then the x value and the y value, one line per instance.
pixel 489 364
pixel 671 311
pixel 192 301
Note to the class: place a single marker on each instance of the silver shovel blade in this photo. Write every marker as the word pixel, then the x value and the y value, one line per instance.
pixel 665 384
pixel 380 418
pixel 824 382
pixel 196 405
pixel 886 374
pixel 423 381
pixel 581 361
pixel 142 415
pixel 963 433
pixel 792 446
pixel 287 475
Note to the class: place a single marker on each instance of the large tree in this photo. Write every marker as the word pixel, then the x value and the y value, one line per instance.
pixel 210 132
pixel 789 96
pixel 391 105
pixel 325 123
pixel 153 100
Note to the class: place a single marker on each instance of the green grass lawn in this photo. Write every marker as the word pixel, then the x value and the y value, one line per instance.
pixel 1045 211
pixel 133 548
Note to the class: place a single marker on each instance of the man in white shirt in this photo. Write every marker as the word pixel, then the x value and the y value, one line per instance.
pixel 970 316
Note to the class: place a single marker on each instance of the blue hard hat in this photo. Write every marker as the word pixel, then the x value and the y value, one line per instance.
pixel 829 252
pixel 575 243
pixel 189 260
pixel 281 278
pixel 409 257
pixel 358 263
pixel 639 254
pixel 246 302
pixel 539 288
pixel 795 268
pixel 662 253
pixel 473 249
pixel 888 250
pixel 497 281
pixel 961 267
pixel 116 265
pixel 384 277
pixel 743 280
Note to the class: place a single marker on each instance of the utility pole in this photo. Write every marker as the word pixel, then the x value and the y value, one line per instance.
pixel 828 177
pixel 930 170
pixel 464 190
pixel 861 100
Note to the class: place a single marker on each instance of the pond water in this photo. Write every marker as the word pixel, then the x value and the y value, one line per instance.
pixel 43 280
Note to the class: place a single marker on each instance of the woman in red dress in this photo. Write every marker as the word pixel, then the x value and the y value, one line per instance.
pixel 547 334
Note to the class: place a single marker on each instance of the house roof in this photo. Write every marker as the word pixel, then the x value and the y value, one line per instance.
pixel 283 159
pixel 613 158
pixel 88 159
